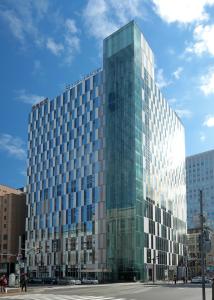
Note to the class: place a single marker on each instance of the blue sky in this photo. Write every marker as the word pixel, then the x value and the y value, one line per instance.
pixel 46 44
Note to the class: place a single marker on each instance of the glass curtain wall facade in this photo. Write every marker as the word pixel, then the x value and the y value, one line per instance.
pixel 123 134
pixel 106 174
pixel 145 164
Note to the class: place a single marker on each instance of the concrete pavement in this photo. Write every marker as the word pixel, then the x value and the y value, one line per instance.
pixel 133 291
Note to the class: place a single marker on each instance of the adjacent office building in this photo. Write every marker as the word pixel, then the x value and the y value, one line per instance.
pixel 12 226
pixel 194 251
pixel 200 176
pixel 106 173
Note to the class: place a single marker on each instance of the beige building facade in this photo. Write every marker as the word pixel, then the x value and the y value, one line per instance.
pixel 194 253
pixel 12 226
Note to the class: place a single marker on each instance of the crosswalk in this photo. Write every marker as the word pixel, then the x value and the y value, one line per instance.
pixel 58 297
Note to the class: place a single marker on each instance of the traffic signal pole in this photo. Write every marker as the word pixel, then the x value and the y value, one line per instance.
pixel 202 246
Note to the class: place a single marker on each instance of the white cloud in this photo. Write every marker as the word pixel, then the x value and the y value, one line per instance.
pixel 179 108
pixel 177 72
pixel 207 82
pixel 202 137
pixel 23 17
pixel 71 26
pixel 55 48
pixel 25 21
pixel 14 146
pixel 126 10
pixel 209 121
pixel 72 41
pixel 24 96
pixel 184 113
pixel 182 11
pixel 96 19
pixel 14 23
pixel 161 80
pixel 204 41
pixel 102 17
pixel 172 101
pixel 41 7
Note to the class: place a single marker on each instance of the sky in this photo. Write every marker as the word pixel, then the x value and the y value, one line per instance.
pixel 47 44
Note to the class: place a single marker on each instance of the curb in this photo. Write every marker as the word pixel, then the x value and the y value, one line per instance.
pixel 16 291
pixel 10 291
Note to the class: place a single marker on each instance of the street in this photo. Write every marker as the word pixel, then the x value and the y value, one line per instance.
pixel 132 291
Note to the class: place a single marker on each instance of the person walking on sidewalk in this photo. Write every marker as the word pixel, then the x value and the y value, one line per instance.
pixel 3 284
pixel 175 279
pixel 23 282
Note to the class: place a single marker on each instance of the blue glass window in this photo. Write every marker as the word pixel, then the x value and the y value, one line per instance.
pixel 65 97
pixel 95 80
pixel 72 93
pixel 87 85
pixel 79 89
pixel 58 101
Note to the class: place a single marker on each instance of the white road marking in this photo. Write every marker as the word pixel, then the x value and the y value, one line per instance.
pixel 58 297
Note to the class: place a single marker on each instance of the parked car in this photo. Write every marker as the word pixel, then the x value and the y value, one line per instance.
pixel 78 282
pixel 89 281
pixel 66 281
pixel 35 280
pixel 94 281
pixel 198 279
pixel 50 280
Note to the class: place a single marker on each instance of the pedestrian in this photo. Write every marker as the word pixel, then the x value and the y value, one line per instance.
pixel 1 283
pixel 175 279
pixel 23 282
pixel 4 284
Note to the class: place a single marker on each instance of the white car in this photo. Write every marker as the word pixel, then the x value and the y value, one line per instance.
pixel 89 281
pixel 198 279
pixel 94 281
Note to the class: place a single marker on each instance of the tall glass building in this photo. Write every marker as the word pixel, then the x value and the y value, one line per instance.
pixel 200 176
pixel 106 174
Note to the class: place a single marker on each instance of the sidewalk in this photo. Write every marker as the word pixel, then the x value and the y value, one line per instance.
pixel 166 282
pixel 16 291
pixel 10 291
pixel 179 283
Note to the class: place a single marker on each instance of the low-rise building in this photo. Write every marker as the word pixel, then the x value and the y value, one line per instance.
pixel 194 251
pixel 12 226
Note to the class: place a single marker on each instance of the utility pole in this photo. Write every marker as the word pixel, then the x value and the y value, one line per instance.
pixel 153 271
pixel 202 246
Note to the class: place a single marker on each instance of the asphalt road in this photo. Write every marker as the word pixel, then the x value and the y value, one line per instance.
pixel 135 291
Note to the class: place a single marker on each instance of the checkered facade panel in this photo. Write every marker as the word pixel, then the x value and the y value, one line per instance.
pixel 65 192
pixel 164 170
